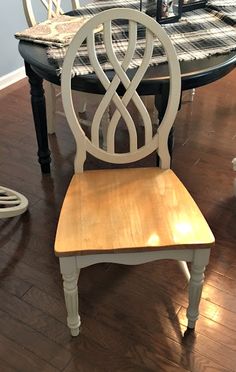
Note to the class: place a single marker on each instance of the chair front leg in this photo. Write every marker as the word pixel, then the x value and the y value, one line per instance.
pixel 70 275
pixel 104 126
pixel 82 102
pixel 195 291
pixel 201 258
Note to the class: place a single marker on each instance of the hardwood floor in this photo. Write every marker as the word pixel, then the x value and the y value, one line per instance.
pixel 133 318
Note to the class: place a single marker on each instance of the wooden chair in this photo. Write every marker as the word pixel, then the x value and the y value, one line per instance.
pixel 53 8
pixel 12 203
pixel 132 215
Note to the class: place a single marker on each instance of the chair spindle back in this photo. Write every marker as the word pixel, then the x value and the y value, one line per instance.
pixel 53 8
pixel 158 141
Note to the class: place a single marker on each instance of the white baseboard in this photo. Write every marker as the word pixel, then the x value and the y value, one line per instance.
pixel 12 77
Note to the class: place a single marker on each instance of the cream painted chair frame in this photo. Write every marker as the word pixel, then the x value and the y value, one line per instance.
pixel 49 6
pixel 12 203
pixel 72 261
pixel 54 9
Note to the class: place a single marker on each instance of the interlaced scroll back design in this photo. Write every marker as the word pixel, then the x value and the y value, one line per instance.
pixel 53 8
pixel 151 143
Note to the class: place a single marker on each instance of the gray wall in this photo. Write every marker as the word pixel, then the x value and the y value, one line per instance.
pixel 12 20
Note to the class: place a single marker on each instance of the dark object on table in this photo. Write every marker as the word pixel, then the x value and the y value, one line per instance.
pixel 193 4
pixel 165 11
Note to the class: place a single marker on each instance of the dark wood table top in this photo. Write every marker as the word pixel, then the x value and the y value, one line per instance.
pixel 194 73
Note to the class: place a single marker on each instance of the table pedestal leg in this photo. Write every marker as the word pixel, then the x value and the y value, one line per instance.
pixel 40 120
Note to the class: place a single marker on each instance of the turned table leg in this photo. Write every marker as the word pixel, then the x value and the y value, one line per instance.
pixel 39 115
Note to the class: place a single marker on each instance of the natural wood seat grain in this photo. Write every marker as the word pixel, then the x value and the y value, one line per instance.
pixel 128 210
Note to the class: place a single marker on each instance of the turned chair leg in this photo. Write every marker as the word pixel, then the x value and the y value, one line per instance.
pixel 195 291
pixel 199 262
pixel 50 96
pixel 104 127
pixel 184 268
pixel 150 106
pixel 193 92
pixel 82 102
pixel 188 95
pixel 70 275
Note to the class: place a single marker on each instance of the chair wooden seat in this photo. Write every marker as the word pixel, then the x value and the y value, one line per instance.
pixel 121 210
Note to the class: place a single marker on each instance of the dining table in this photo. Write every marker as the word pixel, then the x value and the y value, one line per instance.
pixel 195 72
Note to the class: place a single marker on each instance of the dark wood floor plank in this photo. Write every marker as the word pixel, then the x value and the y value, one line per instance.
pixel 223 283
pixel 212 330
pixel 21 359
pixel 219 297
pixel 31 220
pixel 48 282
pixel 45 263
pixel 120 363
pixel 164 336
pixel 6 367
pixel 34 342
pixel 46 303
pixel 221 353
pixel 223 252
pixel 13 285
pixel 152 342
pixel 34 318
pixel 124 315
pixel 231 272
pixel 124 349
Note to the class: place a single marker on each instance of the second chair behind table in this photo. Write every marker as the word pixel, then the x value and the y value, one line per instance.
pixel 53 8
pixel 133 215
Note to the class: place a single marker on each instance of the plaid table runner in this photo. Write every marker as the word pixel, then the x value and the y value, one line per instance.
pixel 225 10
pixel 199 34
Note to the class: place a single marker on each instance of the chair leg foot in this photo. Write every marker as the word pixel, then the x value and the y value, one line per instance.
pixel 74 332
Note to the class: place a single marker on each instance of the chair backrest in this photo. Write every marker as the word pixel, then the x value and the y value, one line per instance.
pixel 158 141
pixel 53 8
